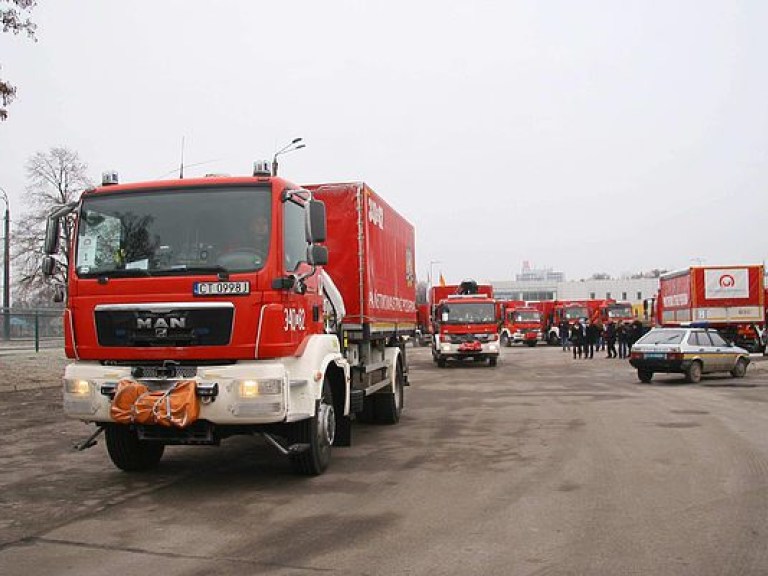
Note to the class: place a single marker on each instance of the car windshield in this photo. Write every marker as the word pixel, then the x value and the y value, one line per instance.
pixel 663 337
pixel 619 312
pixel 531 316
pixel 576 312
pixel 179 231
pixel 469 313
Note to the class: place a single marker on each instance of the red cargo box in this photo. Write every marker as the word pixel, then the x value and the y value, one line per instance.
pixel 714 294
pixel 371 257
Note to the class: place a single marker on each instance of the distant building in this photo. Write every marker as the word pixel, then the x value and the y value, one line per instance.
pixel 545 284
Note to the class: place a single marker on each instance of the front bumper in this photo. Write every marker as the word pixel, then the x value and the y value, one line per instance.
pixel 450 350
pixel 242 393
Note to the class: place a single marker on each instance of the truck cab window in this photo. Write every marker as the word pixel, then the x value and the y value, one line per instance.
pixel 294 240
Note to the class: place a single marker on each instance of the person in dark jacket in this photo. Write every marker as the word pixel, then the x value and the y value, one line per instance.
pixel 623 338
pixel 610 338
pixel 577 338
pixel 564 329
pixel 591 334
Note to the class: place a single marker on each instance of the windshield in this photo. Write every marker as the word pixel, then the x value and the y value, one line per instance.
pixel 576 312
pixel 663 337
pixel 619 312
pixel 531 316
pixel 174 231
pixel 470 313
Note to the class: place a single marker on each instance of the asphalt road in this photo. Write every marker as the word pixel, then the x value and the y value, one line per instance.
pixel 542 465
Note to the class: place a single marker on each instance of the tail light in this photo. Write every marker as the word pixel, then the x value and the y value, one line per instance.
pixel 674 355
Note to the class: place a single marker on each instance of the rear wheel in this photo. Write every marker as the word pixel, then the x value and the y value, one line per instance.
pixel 693 373
pixel 644 376
pixel 388 407
pixel 440 362
pixel 129 453
pixel 318 432
pixel 740 370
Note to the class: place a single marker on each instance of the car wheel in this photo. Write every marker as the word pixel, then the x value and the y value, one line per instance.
pixel 388 407
pixel 492 360
pixel 740 370
pixel 645 376
pixel 440 362
pixel 693 373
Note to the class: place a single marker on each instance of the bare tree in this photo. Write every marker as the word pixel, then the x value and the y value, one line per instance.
pixel 54 178
pixel 13 19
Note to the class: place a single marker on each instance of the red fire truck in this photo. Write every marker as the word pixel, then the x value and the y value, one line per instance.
pixel 520 323
pixel 553 312
pixel 728 298
pixel 465 323
pixel 205 308
pixel 423 325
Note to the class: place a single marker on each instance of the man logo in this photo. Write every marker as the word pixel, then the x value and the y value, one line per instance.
pixel 727 281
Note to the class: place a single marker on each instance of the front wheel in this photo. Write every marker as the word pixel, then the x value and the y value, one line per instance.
pixel 492 360
pixel 693 373
pixel 129 453
pixel 645 376
pixel 553 339
pixel 318 432
pixel 505 341
pixel 740 370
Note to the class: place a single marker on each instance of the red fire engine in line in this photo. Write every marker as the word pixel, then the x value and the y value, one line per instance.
pixel 731 299
pixel 280 310
pixel 520 323
pixel 465 323
pixel 594 310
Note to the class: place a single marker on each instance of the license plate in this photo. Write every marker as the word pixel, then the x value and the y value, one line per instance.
pixel 654 355
pixel 221 288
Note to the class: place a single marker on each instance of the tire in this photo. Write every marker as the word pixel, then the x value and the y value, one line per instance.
pixel 645 376
pixel 129 453
pixel 740 370
pixel 388 407
pixel 440 362
pixel 492 361
pixel 552 339
pixel 505 341
pixel 319 432
pixel 693 373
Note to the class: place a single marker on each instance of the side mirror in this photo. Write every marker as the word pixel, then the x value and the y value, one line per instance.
pixel 48 266
pixel 315 230
pixel 317 255
pixel 51 244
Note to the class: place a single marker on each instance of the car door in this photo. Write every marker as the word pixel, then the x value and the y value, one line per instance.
pixel 702 347
pixel 726 359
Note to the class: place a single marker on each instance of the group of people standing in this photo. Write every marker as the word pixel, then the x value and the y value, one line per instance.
pixel 584 337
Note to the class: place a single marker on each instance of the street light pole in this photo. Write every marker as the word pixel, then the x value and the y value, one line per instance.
pixel 431 277
pixel 294 145
pixel 7 270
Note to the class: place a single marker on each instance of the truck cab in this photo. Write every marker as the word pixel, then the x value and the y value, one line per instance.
pixel 465 325
pixel 520 324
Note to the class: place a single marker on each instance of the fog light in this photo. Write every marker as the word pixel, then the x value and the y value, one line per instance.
pixel 256 388
pixel 77 387
pixel 249 389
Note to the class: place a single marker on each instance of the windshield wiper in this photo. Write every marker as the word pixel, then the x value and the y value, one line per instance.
pixel 221 271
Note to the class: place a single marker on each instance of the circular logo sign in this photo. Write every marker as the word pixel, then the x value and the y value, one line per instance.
pixel 727 281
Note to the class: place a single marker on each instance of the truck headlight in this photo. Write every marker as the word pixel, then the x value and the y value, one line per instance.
pixel 256 388
pixel 77 387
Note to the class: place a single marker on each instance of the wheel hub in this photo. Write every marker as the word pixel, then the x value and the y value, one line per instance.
pixel 326 424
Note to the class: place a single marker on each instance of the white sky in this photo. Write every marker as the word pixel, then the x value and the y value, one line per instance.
pixel 589 136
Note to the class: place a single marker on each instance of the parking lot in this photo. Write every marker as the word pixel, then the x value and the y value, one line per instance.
pixel 542 465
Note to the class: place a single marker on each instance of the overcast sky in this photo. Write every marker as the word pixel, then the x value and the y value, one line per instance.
pixel 589 136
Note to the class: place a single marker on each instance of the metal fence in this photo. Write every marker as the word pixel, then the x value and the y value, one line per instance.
pixel 30 328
